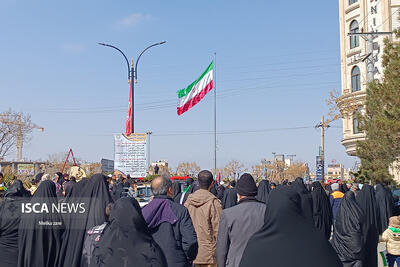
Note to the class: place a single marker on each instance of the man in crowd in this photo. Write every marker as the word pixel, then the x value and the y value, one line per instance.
pixel 132 191
pixel 205 210
pixel 239 223
pixel 170 225
pixel 335 198
pixel 156 169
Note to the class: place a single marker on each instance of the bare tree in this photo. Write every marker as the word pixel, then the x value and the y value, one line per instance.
pixel 187 168
pixel 277 171
pixel 233 169
pixel 295 170
pixel 259 171
pixel 15 128
pixel 343 106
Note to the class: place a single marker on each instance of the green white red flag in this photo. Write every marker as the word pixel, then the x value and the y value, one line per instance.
pixel 195 92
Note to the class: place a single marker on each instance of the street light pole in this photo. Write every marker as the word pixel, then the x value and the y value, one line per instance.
pixel 132 74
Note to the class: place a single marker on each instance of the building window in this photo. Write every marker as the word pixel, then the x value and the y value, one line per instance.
pixel 356 121
pixel 354 39
pixel 355 79
pixel 352 2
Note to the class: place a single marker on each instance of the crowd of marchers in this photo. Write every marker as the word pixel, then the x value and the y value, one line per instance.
pixel 205 224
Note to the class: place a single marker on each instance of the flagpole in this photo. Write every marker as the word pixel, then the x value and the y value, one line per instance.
pixel 215 115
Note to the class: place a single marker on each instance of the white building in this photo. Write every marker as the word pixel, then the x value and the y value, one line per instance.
pixel 335 171
pixel 361 16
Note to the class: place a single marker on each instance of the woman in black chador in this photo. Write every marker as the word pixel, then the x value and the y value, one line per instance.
pixel 39 235
pixel 263 191
pixel 385 205
pixel 127 241
pixel 322 212
pixel 287 237
pixel 10 215
pixel 94 194
pixel 306 199
pixel 367 202
pixel 349 231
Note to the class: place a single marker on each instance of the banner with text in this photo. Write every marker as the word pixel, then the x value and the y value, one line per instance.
pixel 130 154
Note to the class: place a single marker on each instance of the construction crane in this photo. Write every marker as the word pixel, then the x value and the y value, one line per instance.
pixel 19 134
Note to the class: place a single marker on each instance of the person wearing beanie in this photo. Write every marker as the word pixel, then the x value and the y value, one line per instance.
pixel 239 223
pixel 392 238
pixel 335 198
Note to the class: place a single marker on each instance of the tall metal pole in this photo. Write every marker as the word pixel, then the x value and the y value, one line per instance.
pixel 215 114
pixel 132 74
pixel 370 60
pixel 323 147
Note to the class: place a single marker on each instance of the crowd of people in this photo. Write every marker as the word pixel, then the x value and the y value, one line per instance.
pixel 205 224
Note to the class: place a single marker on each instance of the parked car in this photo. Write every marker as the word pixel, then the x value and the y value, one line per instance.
pixel 143 194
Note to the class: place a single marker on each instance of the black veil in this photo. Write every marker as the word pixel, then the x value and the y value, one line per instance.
pixel 287 236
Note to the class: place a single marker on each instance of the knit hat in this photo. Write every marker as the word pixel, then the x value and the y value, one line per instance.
pixel 335 186
pixel 246 186
pixel 394 221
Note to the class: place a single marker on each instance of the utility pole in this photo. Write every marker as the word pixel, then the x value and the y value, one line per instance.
pixel 369 58
pixel 322 125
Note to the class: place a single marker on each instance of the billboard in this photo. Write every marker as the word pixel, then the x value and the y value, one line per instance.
pixel 130 154
pixel 320 168
pixel 107 165
pixel 25 169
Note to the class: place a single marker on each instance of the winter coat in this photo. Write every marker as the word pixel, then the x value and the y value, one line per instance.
pixel 236 227
pixel 172 229
pixel 335 198
pixel 392 240
pixel 205 210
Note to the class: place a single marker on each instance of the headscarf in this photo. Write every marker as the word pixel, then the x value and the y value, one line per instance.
pixel 220 191
pixel 176 186
pixel 367 202
pixel 287 232
pixel 263 191
pixel 385 205
pixel 60 179
pixel 38 177
pixel 230 198
pixel 343 188
pixel 94 194
pixel 10 212
pixel 39 244
pixel 127 240
pixel 68 187
pixel 349 226
pixel 306 199
pixel 322 212
pixel 17 189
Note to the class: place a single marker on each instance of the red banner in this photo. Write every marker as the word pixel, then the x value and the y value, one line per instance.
pixel 129 116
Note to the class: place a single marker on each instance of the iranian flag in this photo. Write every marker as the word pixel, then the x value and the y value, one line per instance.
pixel 194 93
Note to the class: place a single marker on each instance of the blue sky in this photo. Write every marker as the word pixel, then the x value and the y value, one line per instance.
pixel 276 64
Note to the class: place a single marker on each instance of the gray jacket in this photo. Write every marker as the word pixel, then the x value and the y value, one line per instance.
pixel 236 227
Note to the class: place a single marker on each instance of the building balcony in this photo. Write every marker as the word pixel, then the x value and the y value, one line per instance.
pixel 350 99
pixel 349 141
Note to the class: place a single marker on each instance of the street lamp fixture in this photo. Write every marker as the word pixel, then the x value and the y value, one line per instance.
pixel 132 73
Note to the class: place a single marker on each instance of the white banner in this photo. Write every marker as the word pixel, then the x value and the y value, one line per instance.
pixel 130 154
